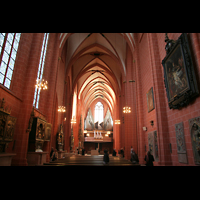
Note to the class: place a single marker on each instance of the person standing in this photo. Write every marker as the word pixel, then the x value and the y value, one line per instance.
pixel 55 155
pixel 122 152
pixel 149 159
pixel 134 156
pixel 106 157
pixel 83 151
pixel 51 153
pixel 114 152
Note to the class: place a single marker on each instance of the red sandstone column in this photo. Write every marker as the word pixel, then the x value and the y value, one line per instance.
pixel 160 106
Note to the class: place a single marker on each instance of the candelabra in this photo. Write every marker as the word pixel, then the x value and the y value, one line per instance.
pixel 41 84
pixel 61 109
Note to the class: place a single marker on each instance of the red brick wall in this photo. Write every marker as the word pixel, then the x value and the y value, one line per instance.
pixel 20 95
pixel 186 113
pixel 150 54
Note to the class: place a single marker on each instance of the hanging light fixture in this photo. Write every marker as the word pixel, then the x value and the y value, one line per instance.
pixel 126 109
pixel 117 121
pixel 41 84
pixel 73 120
pixel 61 109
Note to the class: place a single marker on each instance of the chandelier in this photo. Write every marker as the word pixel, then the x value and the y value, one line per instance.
pixel 117 121
pixel 73 121
pixel 61 109
pixel 41 84
pixel 126 109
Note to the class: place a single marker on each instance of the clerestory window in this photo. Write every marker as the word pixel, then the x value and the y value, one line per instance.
pixel 41 69
pixel 99 112
pixel 9 43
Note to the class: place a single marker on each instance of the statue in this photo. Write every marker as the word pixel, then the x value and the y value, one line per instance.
pixel 60 139
pixel 80 134
pixel 72 138
pixel 40 134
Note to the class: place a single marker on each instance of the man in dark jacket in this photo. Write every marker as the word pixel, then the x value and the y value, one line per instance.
pixel 114 152
pixel 51 153
pixel 149 159
pixel 83 151
pixel 106 157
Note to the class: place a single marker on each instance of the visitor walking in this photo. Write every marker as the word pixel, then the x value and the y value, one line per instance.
pixel 106 157
pixel 134 156
pixel 55 155
pixel 51 153
pixel 149 159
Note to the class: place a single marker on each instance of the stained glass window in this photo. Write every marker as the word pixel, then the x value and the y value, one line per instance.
pixel 99 112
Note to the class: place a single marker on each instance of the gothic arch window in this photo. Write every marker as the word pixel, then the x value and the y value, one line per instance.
pixel 99 112
pixel 9 43
pixel 41 69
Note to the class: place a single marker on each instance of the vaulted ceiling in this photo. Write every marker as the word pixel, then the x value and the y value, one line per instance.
pixel 97 61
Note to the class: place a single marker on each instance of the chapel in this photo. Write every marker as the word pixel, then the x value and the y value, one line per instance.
pixel 97 91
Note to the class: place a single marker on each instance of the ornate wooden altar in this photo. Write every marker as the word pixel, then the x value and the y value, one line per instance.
pixel 7 126
pixel 40 133
pixel 60 139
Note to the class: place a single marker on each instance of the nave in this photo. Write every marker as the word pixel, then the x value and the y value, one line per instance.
pixel 88 160
pixel 99 90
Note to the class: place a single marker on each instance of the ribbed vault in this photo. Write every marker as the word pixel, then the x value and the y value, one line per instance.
pixel 96 62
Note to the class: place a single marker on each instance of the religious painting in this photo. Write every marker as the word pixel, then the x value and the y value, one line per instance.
pixel 194 125
pixel 47 135
pixel 10 127
pixel 150 142
pixel 150 100
pixel 180 139
pixel 153 144
pixel 179 76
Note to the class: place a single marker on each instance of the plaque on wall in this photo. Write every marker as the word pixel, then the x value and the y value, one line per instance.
pixel 153 144
pixel 194 125
pixel 180 139
pixel 150 100
pixel 47 134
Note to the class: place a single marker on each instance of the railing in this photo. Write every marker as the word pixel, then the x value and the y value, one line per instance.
pixel 92 139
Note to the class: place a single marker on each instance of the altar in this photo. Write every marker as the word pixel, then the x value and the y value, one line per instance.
pixel 94 152
pixel 6 159
pixel 36 158
pixel 98 134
